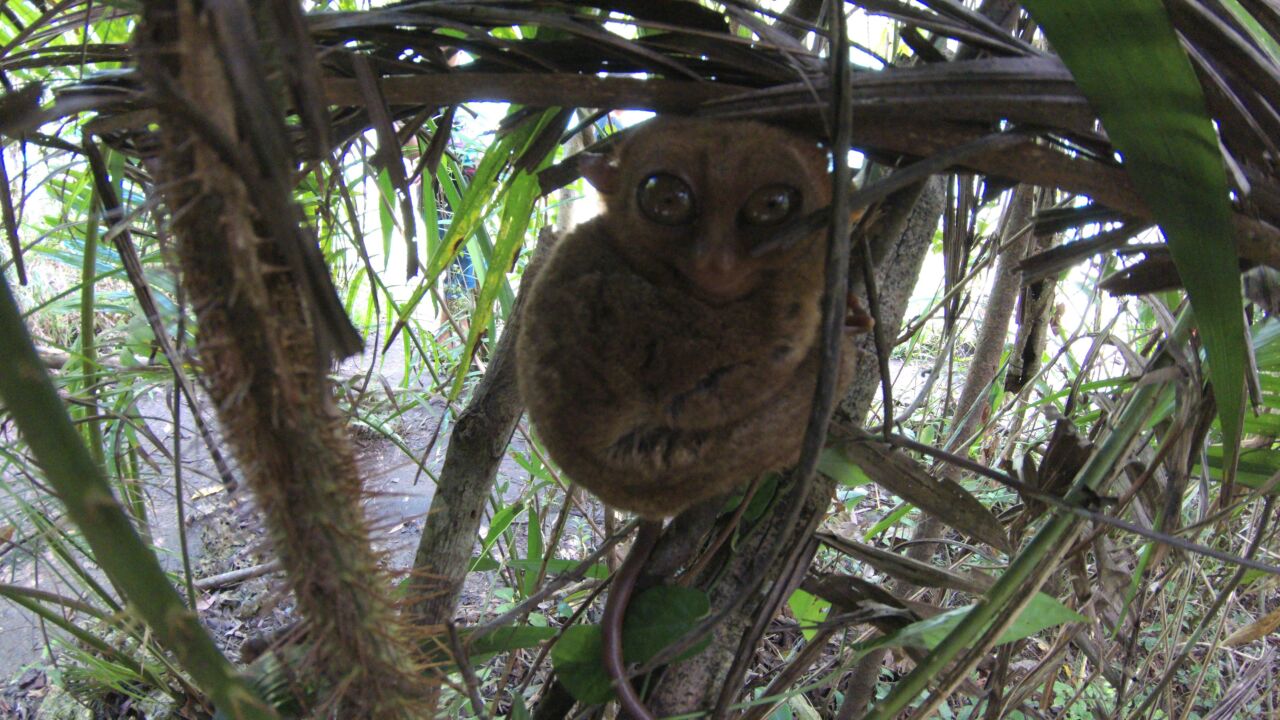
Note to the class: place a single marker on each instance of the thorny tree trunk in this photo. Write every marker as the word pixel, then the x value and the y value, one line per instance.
pixel 266 374
pixel 898 245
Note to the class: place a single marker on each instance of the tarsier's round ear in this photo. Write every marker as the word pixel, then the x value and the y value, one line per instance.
pixel 601 171
pixel 817 151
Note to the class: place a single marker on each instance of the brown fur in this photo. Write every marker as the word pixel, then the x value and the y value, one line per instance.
pixel 647 388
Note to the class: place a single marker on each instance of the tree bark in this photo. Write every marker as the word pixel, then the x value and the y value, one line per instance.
pixel 1005 287
pixel 476 447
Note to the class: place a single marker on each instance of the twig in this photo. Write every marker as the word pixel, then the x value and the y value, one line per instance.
pixel 217 582
pixel 468 675
pixel 1061 504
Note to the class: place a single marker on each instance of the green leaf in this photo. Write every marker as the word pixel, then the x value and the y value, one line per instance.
pixel 534 543
pixel 1254 468
pixel 802 709
pixel 514 637
pixel 836 466
pixel 518 709
pixel 658 617
pixel 888 521
pixel 501 521
pixel 1256 30
pixel 516 213
pixel 483 193
pixel 1127 59
pixel 760 501
pixel 503 639
pixel 1266 344
pixel 578 660
pixel 1042 612
pixel 655 619
pixel 534 550
pixel 483 563
pixel 809 610
pixel 555 566
pixel 386 213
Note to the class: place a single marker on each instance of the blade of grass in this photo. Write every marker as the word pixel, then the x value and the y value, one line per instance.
pixel 516 214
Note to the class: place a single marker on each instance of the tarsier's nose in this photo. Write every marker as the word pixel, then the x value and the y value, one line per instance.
pixel 719 272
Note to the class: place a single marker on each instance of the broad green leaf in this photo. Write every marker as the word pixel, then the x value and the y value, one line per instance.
pixel 655 619
pixel 578 660
pixel 759 502
pixel 659 616
pixel 809 610
pixel 1127 59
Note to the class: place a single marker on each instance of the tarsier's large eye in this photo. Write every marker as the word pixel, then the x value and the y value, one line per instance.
pixel 666 199
pixel 770 205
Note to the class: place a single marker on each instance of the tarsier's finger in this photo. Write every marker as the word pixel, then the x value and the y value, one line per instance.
pixel 857 319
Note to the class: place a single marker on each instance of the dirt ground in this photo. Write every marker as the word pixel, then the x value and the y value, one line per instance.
pixel 225 533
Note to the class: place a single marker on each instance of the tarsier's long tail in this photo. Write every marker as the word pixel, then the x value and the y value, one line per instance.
pixel 614 610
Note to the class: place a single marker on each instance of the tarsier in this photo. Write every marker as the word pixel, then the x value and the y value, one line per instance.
pixel 669 349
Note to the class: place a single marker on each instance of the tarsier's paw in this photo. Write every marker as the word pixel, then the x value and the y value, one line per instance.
pixel 655 450
pixel 856 319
